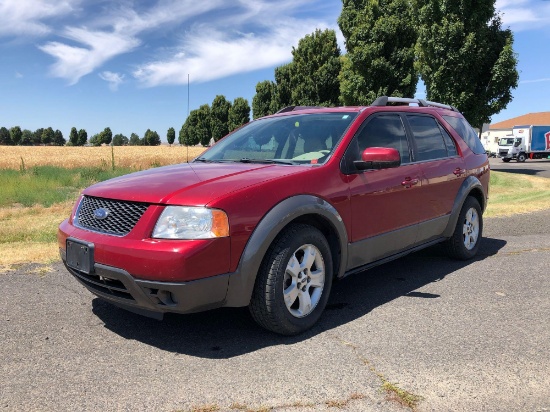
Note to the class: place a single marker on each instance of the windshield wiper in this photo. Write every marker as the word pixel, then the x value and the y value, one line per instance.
pixel 267 161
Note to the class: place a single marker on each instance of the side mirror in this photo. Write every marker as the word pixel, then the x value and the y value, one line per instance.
pixel 378 158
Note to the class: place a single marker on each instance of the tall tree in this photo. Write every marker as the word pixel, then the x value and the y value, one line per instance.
pixel 135 140
pixel 263 100
pixel 315 68
pixel 5 137
pixel 73 137
pixel 380 40
pixel 15 133
pixel 37 136
pixel 187 134
pixel 171 135
pixel 82 137
pixel 26 138
pixel 58 139
pixel 219 115
pixel 151 138
pixel 95 140
pixel 203 129
pixel 283 92
pixel 47 136
pixel 239 113
pixel 465 58
pixel 119 140
pixel 106 136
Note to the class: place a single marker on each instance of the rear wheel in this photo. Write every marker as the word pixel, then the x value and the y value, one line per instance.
pixel 294 281
pixel 464 243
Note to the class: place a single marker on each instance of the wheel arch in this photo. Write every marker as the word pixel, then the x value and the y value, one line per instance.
pixel 470 187
pixel 307 209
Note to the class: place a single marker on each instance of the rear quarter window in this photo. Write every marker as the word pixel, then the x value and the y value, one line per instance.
pixel 466 132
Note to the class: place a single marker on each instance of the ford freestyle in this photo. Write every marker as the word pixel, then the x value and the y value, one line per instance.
pixel 274 212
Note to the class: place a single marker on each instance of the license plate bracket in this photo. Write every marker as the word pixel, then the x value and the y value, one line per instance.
pixel 80 255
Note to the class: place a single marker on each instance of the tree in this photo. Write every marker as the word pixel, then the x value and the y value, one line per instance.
pixel 119 140
pixel 239 113
pixel 106 136
pixel 283 93
pixel 465 58
pixel 187 135
pixel 135 140
pixel 37 136
pixel 48 136
pixel 58 139
pixel 315 68
pixel 73 137
pixel 171 136
pixel 95 140
pixel 82 137
pixel 5 137
pixel 380 40
pixel 15 134
pixel 262 102
pixel 203 129
pixel 26 138
pixel 151 138
pixel 219 116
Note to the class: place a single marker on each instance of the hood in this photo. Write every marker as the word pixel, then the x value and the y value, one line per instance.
pixel 188 183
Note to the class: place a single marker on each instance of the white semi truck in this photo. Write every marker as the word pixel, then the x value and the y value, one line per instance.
pixel 526 142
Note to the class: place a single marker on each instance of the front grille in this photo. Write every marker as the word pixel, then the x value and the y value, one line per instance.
pixel 121 217
pixel 102 284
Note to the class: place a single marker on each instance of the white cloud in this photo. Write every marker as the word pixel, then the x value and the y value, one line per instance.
pixel 524 14
pixel 73 62
pixel 114 79
pixel 536 80
pixel 26 17
pixel 18 75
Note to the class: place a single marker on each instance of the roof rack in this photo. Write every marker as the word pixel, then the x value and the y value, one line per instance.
pixel 384 100
pixel 293 108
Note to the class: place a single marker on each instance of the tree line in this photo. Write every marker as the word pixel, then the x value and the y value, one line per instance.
pixel 17 137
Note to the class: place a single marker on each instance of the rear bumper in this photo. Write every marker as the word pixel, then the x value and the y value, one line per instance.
pixel 152 298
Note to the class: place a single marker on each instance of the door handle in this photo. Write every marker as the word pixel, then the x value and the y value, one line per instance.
pixel 459 172
pixel 408 182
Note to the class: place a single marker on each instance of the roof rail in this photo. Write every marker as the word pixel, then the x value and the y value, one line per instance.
pixel 293 108
pixel 384 100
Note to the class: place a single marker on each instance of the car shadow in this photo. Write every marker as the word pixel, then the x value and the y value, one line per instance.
pixel 530 172
pixel 229 332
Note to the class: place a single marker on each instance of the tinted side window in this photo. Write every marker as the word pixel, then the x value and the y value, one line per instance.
pixel 428 138
pixel 385 131
pixel 449 142
pixel 464 130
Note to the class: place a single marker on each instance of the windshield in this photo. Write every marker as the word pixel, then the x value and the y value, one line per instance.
pixel 506 141
pixel 293 139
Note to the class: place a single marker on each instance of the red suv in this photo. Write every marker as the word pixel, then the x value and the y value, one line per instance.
pixel 270 215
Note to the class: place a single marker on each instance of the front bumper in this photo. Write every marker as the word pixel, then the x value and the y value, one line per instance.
pixel 151 298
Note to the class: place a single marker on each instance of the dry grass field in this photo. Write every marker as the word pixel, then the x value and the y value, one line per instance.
pixel 134 157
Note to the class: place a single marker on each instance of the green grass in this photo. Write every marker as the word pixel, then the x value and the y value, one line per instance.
pixel 48 185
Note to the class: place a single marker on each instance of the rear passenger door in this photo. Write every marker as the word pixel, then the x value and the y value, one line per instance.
pixel 442 171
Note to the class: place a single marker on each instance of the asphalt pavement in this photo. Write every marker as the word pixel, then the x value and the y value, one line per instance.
pixel 537 167
pixel 462 336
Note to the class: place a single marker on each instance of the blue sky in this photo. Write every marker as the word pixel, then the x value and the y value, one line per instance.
pixel 124 64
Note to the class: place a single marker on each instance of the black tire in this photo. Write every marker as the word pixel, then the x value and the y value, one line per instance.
pixel 521 158
pixel 506 160
pixel 462 245
pixel 268 305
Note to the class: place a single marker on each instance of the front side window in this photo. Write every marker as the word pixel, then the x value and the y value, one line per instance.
pixel 385 131
pixel 292 139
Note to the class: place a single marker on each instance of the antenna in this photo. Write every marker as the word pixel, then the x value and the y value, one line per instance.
pixel 187 143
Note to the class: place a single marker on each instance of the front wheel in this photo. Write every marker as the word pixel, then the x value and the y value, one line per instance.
pixel 464 243
pixel 521 157
pixel 505 160
pixel 294 281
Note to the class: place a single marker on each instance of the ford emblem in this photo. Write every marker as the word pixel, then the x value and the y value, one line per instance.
pixel 101 213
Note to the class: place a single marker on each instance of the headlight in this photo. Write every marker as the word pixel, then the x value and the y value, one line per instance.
pixel 182 222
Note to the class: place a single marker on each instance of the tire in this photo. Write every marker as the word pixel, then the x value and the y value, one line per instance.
pixel 506 160
pixel 294 281
pixel 464 243
pixel 521 158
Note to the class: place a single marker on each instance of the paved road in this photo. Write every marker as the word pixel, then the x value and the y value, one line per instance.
pixel 539 167
pixel 464 336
